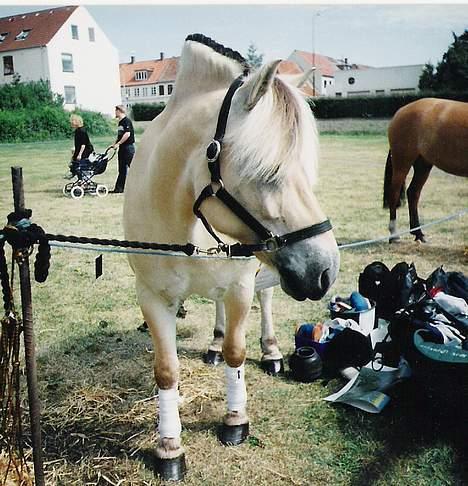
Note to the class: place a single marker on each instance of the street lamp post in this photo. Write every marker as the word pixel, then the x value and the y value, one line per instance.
pixel 315 14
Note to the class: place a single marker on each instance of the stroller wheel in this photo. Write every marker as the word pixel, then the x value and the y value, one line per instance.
pixel 77 192
pixel 101 190
pixel 67 188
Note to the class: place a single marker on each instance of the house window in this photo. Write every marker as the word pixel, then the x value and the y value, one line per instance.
pixel 145 92
pixel 351 80
pixel 161 90
pixel 74 32
pixel 141 75
pixel 127 92
pixel 169 89
pixel 70 95
pixel 23 35
pixel 3 36
pixel 154 91
pixel 338 94
pixel 92 37
pixel 8 67
pixel 67 63
pixel 136 92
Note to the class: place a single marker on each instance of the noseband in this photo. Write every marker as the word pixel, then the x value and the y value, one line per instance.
pixel 269 242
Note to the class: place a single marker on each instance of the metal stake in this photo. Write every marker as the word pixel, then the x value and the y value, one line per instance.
pixel 22 258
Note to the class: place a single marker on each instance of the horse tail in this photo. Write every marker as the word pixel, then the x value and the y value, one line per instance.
pixel 388 184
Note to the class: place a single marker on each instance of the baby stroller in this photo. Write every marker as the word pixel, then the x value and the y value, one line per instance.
pixel 96 164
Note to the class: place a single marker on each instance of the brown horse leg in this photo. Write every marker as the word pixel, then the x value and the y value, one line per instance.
pixel 421 172
pixel 398 179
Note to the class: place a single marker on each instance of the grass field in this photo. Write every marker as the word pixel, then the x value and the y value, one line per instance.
pixel 95 367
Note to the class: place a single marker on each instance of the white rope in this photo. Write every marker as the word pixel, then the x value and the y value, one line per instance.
pixel 385 238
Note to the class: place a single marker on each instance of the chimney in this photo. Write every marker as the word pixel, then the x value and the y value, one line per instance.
pixel 161 56
pixel 346 60
pixel 132 59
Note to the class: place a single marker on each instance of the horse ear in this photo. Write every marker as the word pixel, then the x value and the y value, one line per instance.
pixel 297 80
pixel 260 83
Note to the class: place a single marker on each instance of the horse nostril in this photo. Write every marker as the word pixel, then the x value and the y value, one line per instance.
pixel 325 280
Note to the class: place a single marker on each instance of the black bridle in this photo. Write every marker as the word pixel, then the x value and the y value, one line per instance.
pixel 269 242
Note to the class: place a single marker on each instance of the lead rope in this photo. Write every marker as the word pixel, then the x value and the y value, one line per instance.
pixel 11 430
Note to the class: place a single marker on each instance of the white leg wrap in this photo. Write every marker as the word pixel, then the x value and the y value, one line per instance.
pixel 169 421
pixel 235 389
pixel 392 226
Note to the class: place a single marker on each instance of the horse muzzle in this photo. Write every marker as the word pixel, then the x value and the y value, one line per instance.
pixel 307 271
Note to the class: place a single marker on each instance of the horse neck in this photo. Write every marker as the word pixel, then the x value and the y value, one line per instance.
pixel 202 70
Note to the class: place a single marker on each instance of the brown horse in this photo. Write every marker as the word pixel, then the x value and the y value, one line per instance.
pixel 422 134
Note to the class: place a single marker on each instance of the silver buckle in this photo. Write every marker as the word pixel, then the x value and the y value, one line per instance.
pixel 272 244
pixel 218 150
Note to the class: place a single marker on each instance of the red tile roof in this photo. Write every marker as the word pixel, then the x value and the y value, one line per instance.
pixel 44 24
pixel 158 71
pixel 326 65
pixel 290 67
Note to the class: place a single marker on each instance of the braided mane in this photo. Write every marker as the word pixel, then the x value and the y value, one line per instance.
pixel 220 49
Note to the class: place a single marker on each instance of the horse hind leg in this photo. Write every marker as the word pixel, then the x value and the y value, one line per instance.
pixel 214 355
pixel 422 170
pixel 394 182
pixel 272 359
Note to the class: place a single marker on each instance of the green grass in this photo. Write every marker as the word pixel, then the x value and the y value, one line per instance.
pixel 95 368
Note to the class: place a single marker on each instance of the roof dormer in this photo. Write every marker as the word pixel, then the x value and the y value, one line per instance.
pixel 141 75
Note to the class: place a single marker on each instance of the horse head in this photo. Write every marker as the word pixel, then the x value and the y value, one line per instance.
pixel 269 166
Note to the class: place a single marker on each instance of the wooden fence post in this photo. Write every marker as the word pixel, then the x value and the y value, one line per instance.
pixel 22 258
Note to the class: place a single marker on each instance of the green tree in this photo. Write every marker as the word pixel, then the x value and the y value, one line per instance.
pixel 452 72
pixel 254 58
pixel 427 80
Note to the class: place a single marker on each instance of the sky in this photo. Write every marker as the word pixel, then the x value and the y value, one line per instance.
pixel 374 34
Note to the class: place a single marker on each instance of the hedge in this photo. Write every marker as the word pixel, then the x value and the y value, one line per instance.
pixel 352 107
pixel 46 123
pixel 147 111
pixel 372 106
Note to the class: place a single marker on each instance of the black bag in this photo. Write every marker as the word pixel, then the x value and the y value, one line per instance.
pixel 393 289
pixel 441 370
pixel 371 280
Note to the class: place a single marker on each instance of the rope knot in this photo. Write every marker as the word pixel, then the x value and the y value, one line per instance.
pixel 21 234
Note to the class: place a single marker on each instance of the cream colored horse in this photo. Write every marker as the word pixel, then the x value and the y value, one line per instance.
pixel 268 164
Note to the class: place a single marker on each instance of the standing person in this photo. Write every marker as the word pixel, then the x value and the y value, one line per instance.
pixel 83 146
pixel 125 143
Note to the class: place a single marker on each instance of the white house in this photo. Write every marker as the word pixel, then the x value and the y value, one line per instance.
pixel 67 48
pixel 377 81
pixel 149 81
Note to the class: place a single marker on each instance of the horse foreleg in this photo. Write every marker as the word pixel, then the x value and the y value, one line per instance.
pixel 161 319
pixel 272 359
pixel 214 355
pixel 235 428
pixel 421 172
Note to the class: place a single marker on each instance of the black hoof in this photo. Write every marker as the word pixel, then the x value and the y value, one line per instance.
pixel 273 366
pixel 181 312
pixel 213 357
pixel 231 435
pixel 171 469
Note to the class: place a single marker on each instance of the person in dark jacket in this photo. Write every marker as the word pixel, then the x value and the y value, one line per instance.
pixel 83 147
pixel 125 143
